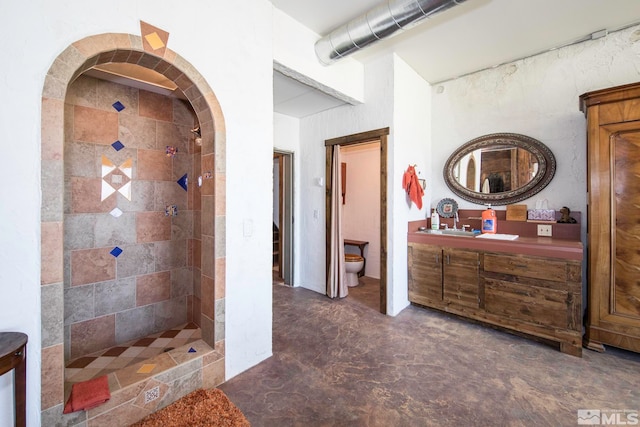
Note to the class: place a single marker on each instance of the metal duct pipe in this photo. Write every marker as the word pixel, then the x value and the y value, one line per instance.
pixel 380 22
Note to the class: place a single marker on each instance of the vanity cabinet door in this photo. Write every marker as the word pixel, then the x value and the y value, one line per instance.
pixel 425 274
pixel 538 291
pixel 460 277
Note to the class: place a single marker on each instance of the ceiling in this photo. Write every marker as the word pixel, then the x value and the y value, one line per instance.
pixel 472 36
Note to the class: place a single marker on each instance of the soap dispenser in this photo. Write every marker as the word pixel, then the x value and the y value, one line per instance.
pixel 489 221
pixel 435 220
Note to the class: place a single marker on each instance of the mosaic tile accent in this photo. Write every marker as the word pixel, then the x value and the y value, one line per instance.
pixel 192 350
pixel 171 151
pixel 116 252
pixel 146 368
pixel 171 210
pixel 113 180
pixel 154 39
pixel 183 182
pixel 116 213
pixel 118 106
pixel 117 145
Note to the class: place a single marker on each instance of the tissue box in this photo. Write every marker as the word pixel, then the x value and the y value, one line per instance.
pixel 541 215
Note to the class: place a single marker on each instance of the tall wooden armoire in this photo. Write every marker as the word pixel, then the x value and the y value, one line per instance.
pixel 613 184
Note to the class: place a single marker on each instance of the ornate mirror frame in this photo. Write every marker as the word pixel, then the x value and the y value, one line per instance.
pixel 546 168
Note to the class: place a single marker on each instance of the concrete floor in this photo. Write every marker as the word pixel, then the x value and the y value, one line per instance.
pixel 342 363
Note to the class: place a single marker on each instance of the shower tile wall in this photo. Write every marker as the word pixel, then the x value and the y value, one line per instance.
pixel 150 286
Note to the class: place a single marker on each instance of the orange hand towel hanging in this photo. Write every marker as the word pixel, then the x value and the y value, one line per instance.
pixel 411 184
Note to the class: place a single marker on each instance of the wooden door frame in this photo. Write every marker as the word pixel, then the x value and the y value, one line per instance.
pixel 377 135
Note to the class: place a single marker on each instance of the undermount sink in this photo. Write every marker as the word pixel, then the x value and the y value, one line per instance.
pixel 450 232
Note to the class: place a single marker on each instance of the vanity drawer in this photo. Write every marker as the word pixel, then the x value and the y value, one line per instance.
pixel 526 266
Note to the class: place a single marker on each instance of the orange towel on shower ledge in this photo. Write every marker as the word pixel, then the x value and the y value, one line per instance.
pixel 411 184
pixel 88 394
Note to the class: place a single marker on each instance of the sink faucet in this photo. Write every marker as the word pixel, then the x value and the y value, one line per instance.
pixel 455 220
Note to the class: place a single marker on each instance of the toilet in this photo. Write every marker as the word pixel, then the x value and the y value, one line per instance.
pixel 353 264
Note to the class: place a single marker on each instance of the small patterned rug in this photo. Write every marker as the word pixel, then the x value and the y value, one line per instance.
pixel 197 409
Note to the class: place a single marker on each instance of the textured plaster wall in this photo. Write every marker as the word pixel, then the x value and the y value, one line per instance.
pixel 538 97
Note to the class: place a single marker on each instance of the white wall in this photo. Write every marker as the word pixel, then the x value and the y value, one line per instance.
pixel 412 146
pixel 397 97
pixel 375 113
pixel 537 97
pixel 236 34
pixel 361 210
pixel 294 55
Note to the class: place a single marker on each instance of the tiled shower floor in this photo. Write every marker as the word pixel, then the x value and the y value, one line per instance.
pixel 119 357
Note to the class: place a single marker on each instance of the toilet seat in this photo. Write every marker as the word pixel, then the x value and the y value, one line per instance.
pixel 353 258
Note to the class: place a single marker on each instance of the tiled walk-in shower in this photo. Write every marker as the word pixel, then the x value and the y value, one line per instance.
pixel 132 241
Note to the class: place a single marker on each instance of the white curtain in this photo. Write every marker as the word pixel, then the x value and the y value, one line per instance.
pixel 336 286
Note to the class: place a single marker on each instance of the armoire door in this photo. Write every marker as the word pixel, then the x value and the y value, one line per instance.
pixel 615 237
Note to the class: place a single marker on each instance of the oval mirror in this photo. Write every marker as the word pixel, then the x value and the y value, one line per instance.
pixel 500 169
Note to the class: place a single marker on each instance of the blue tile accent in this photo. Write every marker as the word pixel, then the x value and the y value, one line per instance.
pixel 183 182
pixel 116 252
pixel 191 350
pixel 118 106
pixel 117 145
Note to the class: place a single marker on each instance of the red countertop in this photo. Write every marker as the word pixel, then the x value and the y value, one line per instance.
pixel 536 246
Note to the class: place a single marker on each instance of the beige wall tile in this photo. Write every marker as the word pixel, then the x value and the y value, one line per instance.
pixel 154 165
pixel 52 136
pixel 207 209
pixel 196 253
pixel 170 254
pixel 51 268
pixel 92 265
pixel 97 126
pixel 152 227
pixel 86 194
pixel 92 335
pixel 207 296
pixel 153 288
pixel 197 315
pixel 207 184
pixel 213 374
pixel 220 277
pixel 221 189
pixel 155 106
pixel 52 372
pixel 137 132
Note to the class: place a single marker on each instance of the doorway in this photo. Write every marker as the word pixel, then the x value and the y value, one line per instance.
pixel 283 217
pixel 378 135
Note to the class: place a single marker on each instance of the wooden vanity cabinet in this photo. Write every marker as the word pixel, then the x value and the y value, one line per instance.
pixel 536 296
pixel 425 274
pixel 441 276
pixel 613 229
